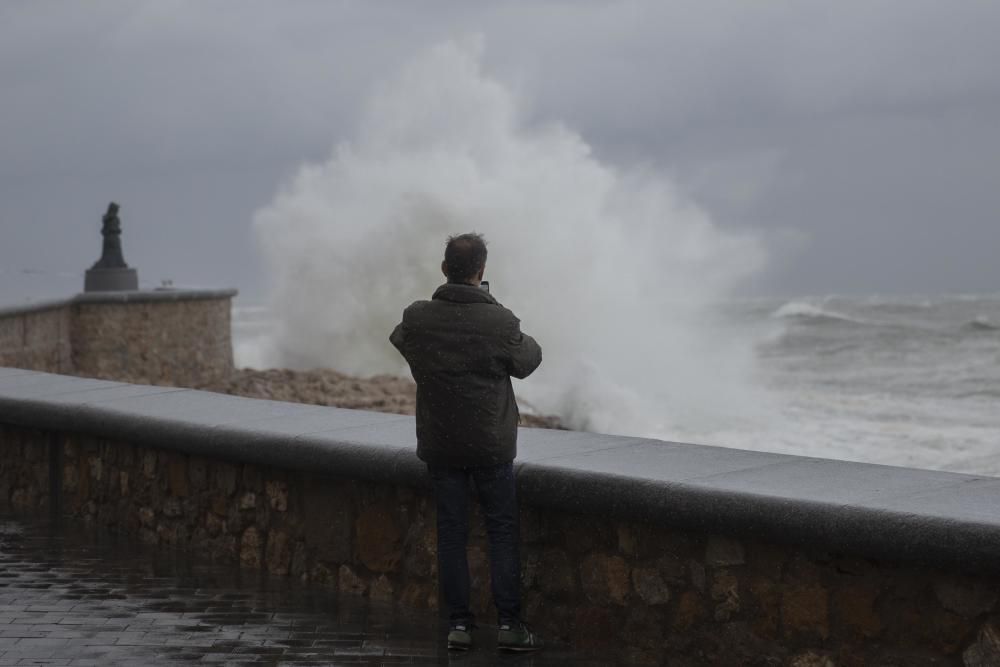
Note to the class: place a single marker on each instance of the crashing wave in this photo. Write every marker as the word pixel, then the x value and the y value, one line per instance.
pixel 804 311
pixel 982 323
pixel 444 148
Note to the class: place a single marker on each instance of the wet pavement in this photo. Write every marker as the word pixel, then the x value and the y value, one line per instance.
pixel 70 596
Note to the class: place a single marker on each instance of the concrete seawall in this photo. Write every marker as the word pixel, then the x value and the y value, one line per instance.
pixel 727 556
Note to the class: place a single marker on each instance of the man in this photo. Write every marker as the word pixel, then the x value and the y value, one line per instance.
pixel 463 347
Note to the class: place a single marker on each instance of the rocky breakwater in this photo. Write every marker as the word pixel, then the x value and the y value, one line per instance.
pixel 380 393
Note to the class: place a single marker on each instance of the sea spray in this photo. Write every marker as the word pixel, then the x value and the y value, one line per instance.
pixel 611 269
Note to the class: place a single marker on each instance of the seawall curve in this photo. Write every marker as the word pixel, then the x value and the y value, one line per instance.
pixel 717 555
pixel 925 516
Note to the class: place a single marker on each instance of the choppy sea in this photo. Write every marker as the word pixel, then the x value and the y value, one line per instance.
pixel 909 381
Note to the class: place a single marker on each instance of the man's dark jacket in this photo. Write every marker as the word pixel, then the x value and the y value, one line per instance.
pixel 463 347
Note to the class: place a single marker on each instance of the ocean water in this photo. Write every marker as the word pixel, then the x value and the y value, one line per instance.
pixel 902 381
pixel 626 282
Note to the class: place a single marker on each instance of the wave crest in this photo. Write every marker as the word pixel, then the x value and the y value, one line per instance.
pixel 982 323
pixel 804 311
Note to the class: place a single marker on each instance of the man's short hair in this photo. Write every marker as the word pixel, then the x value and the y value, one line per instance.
pixel 464 256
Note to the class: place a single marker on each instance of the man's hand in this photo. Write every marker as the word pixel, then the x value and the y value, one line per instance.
pixel 397 338
pixel 524 353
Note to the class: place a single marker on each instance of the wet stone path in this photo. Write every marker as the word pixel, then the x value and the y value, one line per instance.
pixel 74 597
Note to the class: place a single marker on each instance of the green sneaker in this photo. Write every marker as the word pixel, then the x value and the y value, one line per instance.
pixel 517 637
pixel 460 637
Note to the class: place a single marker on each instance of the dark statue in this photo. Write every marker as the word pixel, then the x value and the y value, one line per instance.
pixel 111 230
pixel 110 273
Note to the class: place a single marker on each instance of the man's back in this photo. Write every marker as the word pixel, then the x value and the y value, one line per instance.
pixel 463 347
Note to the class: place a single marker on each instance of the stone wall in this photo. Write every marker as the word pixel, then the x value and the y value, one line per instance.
pixel 664 595
pixel 181 342
pixel 37 337
pixel 163 337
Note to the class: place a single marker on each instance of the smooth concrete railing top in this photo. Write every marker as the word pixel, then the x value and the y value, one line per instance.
pixel 899 514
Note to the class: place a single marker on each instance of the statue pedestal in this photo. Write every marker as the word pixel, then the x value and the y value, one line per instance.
pixel 111 280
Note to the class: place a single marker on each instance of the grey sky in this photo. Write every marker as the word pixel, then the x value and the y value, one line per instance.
pixel 861 139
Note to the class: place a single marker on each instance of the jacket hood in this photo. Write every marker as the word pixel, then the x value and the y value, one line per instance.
pixel 463 294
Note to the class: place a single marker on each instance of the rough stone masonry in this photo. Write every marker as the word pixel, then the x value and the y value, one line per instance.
pixel 164 337
pixel 589 580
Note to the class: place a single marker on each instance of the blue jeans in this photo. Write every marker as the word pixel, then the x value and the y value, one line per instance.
pixel 495 487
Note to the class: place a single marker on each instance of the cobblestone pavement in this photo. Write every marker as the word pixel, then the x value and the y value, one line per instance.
pixel 74 597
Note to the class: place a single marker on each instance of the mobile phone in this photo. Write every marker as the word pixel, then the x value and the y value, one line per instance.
pixel 485 285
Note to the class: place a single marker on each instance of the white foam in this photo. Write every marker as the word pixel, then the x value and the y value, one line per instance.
pixel 799 309
pixel 612 269
pixel 807 310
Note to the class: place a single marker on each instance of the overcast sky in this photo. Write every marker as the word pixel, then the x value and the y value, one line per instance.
pixel 859 139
